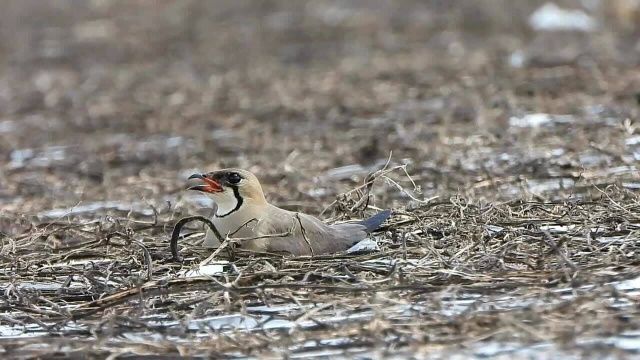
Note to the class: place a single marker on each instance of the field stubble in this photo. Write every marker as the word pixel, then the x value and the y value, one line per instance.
pixel 515 228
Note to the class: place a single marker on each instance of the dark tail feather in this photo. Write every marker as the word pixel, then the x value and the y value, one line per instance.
pixel 373 223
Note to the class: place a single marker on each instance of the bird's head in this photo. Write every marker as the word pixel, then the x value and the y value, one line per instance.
pixel 230 188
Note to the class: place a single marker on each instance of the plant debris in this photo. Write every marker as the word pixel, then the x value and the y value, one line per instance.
pixel 509 156
pixel 175 235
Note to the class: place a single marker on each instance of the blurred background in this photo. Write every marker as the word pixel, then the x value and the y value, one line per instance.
pixel 107 103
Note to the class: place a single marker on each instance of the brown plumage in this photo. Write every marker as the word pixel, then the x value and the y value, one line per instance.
pixel 239 200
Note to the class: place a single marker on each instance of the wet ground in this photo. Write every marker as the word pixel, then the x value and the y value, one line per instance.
pixel 507 148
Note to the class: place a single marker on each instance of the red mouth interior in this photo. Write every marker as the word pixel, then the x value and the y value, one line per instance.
pixel 212 186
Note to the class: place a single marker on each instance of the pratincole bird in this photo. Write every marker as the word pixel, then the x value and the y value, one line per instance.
pixel 243 212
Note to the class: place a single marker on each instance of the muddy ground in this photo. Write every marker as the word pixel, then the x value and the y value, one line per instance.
pixel 508 154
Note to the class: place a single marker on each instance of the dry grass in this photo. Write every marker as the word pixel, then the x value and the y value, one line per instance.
pixel 505 240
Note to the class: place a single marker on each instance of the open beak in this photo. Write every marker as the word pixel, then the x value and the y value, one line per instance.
pixel 211 186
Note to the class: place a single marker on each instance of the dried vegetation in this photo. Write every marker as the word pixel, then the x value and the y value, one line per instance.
pixel 512 235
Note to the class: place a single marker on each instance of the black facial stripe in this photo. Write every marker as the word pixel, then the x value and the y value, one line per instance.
pixel 239 200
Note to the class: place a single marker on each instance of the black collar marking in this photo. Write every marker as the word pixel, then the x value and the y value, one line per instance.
pixel 239 201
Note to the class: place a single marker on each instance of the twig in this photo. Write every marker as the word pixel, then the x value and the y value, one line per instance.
pixel 304 234
pixel 173 245
pixel 147 257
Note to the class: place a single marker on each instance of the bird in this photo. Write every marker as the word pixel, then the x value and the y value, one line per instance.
pixel 243 212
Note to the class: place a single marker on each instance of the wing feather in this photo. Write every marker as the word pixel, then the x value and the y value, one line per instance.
pixel 307 230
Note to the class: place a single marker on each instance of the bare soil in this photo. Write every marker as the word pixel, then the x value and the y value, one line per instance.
pixel 512 236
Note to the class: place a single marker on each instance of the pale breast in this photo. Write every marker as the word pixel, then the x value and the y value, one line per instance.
pixel 231 225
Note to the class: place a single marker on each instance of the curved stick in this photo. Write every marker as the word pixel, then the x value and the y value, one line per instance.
pixel 173 245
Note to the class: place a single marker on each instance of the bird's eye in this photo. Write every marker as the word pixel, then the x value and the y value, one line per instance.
pixel 234 178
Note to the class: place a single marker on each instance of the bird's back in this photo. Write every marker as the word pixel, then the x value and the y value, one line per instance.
pixel 307 233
